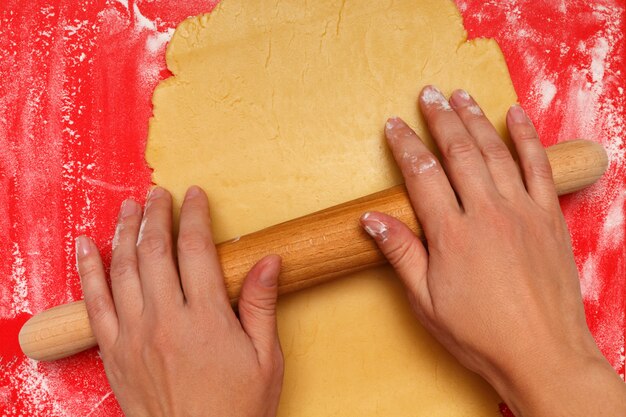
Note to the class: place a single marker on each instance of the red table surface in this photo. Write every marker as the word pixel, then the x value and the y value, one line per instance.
pixel 77 79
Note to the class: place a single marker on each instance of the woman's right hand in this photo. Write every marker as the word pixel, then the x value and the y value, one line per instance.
pixel 496 284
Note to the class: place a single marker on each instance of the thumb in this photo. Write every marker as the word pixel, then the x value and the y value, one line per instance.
pixel 404 251
pixel 257 305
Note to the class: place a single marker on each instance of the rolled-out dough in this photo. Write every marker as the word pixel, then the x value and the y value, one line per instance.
pixel 277 108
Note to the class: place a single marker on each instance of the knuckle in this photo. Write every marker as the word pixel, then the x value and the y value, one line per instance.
pixel 154 245
pixel 495 151
pixel 88 267
pixel 422 164
pixel 97 307
pixel 258 307
pixel 459 147
pixel 123 267
pixel 526 133
pixel 541 170
pixel 193 242
pixel 400 254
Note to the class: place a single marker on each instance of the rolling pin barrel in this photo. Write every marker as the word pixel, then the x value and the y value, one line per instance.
pixel 314 248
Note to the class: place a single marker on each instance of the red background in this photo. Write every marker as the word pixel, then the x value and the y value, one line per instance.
pixel 75 90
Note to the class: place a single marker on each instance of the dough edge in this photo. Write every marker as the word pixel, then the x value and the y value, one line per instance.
pixel 344 383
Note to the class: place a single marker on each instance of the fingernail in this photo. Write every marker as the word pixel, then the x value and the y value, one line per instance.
pixel 129 207
pixel 83 247
pixel 396 129
pixel 461 98
pixel 266 276
pixel 392 124
pixel 518 115
pixel 432 96
pixel 156 192
pixel 192 192
pixel 375 227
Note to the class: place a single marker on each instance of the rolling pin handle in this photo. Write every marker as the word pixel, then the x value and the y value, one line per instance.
pixel 313 249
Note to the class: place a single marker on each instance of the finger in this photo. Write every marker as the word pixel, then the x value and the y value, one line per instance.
pixel 125 283
pixel 533 159
pixel 404 251
pixel 200 269
pixel 100 307
pixel 257 306
pixel 157 270
pixel 499 160
pixel 423 175
pixel 462 160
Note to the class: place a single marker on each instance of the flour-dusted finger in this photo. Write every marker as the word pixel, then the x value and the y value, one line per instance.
pixel 423 176
pixel 405 252
pixel 200 270
pixel 125 284
pixel 98 299
pixel 157 269
pixel 532 158
pixel 497 156
pixel 462 159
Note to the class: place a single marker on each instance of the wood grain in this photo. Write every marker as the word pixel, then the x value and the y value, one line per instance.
pixel 314 248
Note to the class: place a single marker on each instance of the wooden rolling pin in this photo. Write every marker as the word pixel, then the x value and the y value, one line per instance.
pixel 314 249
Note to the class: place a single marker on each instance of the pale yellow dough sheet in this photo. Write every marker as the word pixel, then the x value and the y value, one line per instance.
pixel 277 109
